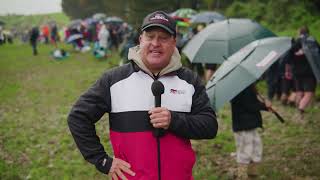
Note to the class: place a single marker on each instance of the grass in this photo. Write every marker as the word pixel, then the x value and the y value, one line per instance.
pixel 37 92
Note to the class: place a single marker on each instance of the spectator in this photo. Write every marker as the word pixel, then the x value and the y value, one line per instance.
pixel 304 78
pixel 34 35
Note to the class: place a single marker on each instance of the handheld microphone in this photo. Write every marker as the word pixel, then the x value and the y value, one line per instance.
pixel 157 89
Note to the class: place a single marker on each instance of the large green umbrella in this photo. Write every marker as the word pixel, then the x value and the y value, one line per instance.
pixel 218 41
pixel 244 67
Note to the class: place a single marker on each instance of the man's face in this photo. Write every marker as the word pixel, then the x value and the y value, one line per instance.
pixel 157 47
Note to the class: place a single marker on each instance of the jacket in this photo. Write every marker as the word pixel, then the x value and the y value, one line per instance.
pixel 301 65
pixel 246 109
pixel 125 93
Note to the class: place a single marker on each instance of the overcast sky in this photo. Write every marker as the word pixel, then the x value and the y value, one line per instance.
pixel 29 6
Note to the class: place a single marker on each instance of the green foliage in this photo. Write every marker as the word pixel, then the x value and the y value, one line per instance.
pixel 82 8
pixel 252 10
pixel 283 17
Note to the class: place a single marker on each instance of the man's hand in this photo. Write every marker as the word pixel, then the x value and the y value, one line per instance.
pixel 118 167
pixel 160 117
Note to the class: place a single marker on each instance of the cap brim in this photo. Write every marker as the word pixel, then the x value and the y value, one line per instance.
pixel 158 25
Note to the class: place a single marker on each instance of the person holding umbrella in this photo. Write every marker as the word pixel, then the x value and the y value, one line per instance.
pixel 125 93
pixel 304 71
pixel 246 119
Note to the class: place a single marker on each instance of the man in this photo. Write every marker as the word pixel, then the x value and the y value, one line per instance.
pixel 305 75
pixel 125 93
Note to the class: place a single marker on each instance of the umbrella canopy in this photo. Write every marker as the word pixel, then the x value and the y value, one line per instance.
pixel 207 17
pixel 74 37
pixel 90 21
pixel 113 19
pixel 184 13
pixel 75 23
pixel 245 67
pixel 218 41
pixel 312 52
pixel 99 16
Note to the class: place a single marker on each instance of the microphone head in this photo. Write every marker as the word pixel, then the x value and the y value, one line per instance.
pixel 157 88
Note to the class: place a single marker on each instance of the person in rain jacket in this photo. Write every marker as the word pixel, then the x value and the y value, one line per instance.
pixel 125 93
pixel 246 119
pixel 103 37
pixel 304 78
pixel 34 35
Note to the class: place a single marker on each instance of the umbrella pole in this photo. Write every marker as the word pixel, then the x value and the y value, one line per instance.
pixel 280 118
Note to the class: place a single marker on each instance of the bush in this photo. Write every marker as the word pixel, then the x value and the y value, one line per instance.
pixel 283 17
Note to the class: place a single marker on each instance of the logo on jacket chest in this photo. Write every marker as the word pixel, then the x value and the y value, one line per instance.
pixel 177 91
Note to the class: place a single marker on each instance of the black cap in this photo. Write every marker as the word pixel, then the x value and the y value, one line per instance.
pixel 160 19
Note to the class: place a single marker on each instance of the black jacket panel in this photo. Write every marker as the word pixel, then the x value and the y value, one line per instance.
pixel 246 110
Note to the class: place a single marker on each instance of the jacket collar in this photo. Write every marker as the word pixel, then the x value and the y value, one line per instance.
pixel 174 64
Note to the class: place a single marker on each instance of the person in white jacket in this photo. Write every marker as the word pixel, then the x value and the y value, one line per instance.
pixel 103 37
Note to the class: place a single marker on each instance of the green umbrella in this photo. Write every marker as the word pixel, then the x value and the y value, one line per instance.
pixel 244 67
pixel 219 40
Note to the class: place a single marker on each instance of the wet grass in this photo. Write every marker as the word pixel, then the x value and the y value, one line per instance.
pixel 36 94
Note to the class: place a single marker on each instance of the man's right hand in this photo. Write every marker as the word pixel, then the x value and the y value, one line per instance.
pixel 118 167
